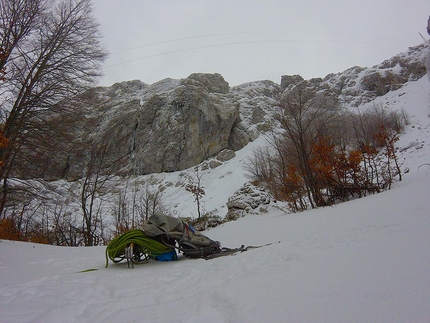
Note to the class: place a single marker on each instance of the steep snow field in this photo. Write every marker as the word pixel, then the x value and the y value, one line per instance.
pixel 367 260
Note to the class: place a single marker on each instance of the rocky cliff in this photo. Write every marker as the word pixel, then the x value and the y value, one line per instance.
pixel 358 85
pixel 175 124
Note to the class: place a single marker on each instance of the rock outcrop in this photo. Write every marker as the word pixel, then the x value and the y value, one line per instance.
pixel 174 124
pixel 171 125
pixel 358 85
pixel 246 200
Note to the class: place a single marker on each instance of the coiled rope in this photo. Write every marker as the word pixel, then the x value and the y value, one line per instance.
pixel 147 247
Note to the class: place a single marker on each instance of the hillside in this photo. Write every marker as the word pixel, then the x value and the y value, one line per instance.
pixel 362 261
pixel 395 84
pixel 220 183
pixel 401 79
pixel 366 260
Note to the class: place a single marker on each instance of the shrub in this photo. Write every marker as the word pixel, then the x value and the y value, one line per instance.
pixel 8 230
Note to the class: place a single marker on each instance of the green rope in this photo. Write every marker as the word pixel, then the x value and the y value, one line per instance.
pixel 115 250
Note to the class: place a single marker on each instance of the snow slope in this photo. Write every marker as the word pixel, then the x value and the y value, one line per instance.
pixel 362 261
pixel 220 183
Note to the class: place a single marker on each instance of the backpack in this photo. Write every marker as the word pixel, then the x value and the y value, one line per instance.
pixel 175 233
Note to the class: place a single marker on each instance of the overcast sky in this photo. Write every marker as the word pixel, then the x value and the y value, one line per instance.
pixel 250 40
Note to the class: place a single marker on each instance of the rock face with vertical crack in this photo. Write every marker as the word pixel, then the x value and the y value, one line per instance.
pixel 170 125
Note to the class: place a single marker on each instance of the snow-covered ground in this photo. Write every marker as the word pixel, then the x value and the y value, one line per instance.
pixel 367 260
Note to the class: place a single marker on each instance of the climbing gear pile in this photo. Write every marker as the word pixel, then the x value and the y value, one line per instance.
pixel 159 239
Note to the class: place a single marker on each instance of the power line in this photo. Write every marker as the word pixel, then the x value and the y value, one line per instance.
pixel 229 44
pixel 238 33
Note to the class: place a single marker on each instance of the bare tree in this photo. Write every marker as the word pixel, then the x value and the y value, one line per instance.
pixel 124 209
pixel 376 132
pixel 94 187
pixel 18 19
pixel 195 187
pixel 306 116
pixel 120 212
pixel 260 165
pixel 65 228
pixel 151 200
pixel 50 51
pixel 133 207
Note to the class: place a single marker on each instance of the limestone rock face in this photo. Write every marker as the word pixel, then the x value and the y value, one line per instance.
pixel 287 80
pixel 136 128
pixel 213 83
pixel 170 125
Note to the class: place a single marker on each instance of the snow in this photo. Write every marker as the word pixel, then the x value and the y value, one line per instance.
pixel 219 184
pixel 365 260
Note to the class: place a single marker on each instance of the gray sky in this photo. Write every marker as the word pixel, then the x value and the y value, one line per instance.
pixel 250 40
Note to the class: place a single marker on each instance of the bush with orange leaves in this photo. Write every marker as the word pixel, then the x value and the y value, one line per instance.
pixel 8 230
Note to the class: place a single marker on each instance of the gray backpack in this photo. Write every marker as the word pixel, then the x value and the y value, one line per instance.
pixel 175 233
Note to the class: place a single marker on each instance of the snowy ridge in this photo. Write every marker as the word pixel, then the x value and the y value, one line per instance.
pixel 360 85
